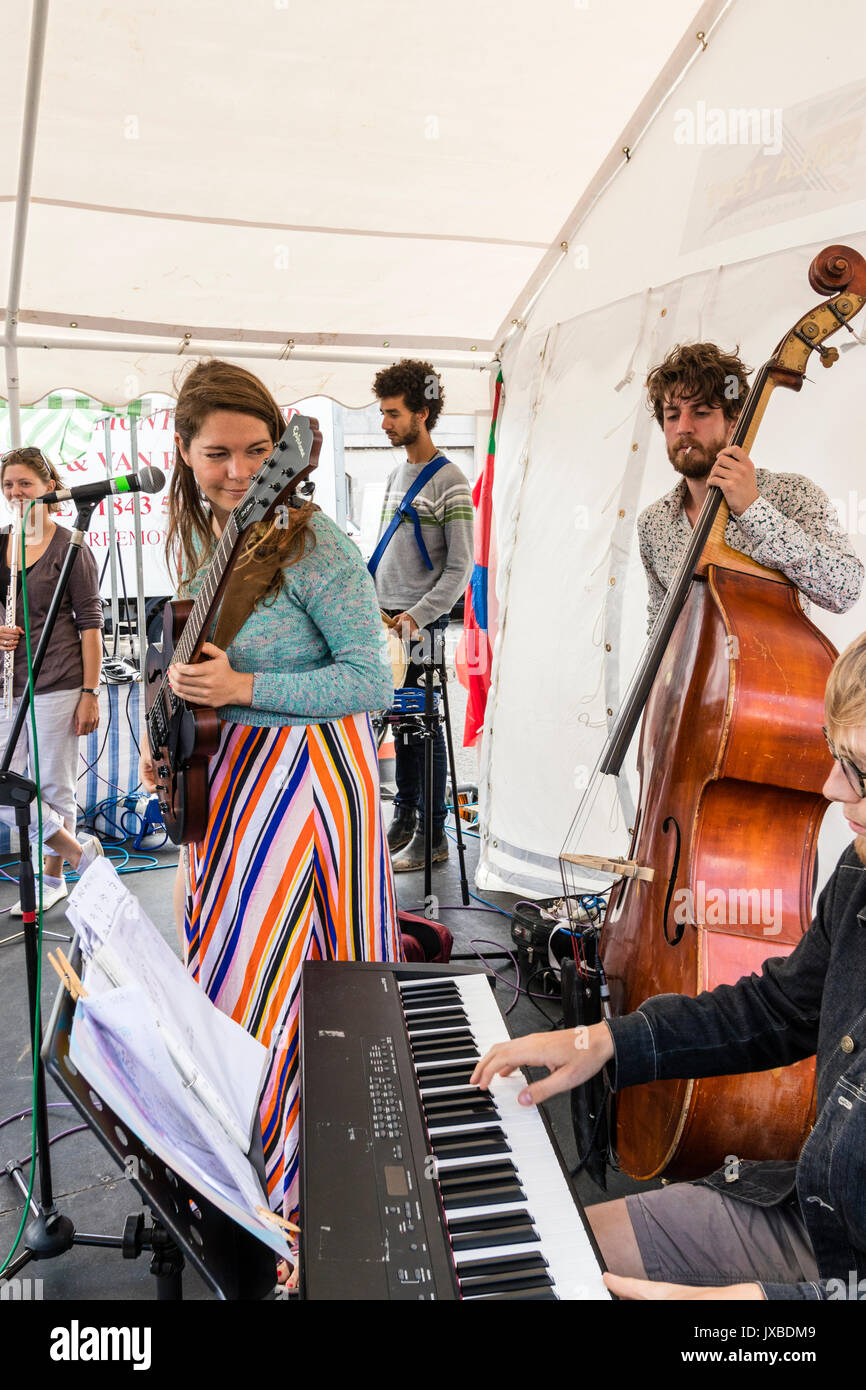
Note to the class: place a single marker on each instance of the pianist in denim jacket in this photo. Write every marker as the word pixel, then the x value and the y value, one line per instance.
pixel 810 1002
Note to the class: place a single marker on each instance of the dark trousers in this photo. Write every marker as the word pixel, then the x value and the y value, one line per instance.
pixel 409 757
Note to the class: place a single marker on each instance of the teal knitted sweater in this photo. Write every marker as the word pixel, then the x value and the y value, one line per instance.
pixel 318 652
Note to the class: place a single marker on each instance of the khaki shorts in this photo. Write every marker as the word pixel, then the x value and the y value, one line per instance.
pixel 691 1234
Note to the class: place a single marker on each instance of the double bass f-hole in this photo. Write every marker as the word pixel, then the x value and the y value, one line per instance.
pixel 672 881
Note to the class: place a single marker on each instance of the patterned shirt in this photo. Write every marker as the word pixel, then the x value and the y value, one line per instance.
pixel 444 508
pixel 791 526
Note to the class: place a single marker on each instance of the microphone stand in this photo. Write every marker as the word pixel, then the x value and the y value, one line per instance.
pixel 435 665
pixel 50 1233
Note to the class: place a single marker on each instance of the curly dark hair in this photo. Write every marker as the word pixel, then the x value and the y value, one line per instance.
pixel 700 372
pixel 418 383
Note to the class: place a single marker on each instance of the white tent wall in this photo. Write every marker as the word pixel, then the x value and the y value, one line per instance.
pixel 579 455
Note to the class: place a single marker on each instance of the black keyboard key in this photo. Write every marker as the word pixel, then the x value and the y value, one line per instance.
pixel 532 1295
pixel 505 1194
pixel 498 1221
pixel 477 1175
pixel 469 1146
pixel 465 1100
pixel 533 1261
pixel 478 1239
pixel 464 1118
pixel 502 1285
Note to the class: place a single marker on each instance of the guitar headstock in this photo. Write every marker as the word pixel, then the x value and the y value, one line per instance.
pixel 295 456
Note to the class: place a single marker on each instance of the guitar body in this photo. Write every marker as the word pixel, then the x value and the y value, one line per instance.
pixel 191 738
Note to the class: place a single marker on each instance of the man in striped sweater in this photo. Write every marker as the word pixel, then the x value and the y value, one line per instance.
pixel 420 576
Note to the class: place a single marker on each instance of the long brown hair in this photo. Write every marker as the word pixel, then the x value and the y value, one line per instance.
pixel 34 460
pixel 209 386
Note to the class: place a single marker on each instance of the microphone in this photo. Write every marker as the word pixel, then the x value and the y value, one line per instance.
pixel 147 480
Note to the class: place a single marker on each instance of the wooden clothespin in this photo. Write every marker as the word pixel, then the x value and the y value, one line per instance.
pixel 267 1215
pixel 68 976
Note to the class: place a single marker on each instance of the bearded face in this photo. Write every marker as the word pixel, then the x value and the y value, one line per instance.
pixel 695 433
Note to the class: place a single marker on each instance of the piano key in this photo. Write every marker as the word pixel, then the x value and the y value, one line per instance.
pixel 535 1295
pixel 455 1088
pixel 465 1224
pixel 470 1145
pixel 428 1018
pixel 508 1206
pixel 471 1177
pixel 514 1279
pixel 531 1260
pixel 427 1064
pixel 460 1124
pixel 439 1010
pixel 446 1164
pixel 472 1099
pixel 440 1032
pixel 484 1201
pixel 484 1238
pixel 446 1074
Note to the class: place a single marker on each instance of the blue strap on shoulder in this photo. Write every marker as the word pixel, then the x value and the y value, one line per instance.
pixel 405 509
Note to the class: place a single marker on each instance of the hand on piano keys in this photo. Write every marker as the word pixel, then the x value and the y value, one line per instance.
pixel 571 1056
pixel 510 1212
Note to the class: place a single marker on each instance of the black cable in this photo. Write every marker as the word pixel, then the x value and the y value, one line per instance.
pixel 592 1138
pixel 540 970
pixel 129 721
pixel 89 766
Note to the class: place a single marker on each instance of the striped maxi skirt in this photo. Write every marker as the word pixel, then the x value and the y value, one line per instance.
pixel 294 866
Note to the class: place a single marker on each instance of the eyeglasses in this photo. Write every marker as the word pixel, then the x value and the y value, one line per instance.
pixel 29 453
pixel 855 778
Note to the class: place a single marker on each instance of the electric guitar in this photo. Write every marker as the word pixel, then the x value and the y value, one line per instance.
pixel 183 737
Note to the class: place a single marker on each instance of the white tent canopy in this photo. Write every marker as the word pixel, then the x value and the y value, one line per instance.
pixel 334 183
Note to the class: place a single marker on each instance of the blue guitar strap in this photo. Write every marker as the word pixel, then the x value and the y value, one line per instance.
pixel 405 509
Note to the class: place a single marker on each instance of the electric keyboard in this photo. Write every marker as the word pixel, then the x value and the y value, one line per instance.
pixel 414 1184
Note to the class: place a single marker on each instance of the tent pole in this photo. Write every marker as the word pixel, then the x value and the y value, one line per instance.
pixel 139 553
pixel 108 505
pixel 363 357
pixel 22 207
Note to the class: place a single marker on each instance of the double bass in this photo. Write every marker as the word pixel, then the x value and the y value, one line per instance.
pixel 720 871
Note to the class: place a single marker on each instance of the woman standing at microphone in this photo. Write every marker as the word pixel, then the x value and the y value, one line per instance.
pixel 66 704
pixel 293 865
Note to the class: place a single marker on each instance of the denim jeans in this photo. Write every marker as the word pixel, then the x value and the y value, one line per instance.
pixel 809 1002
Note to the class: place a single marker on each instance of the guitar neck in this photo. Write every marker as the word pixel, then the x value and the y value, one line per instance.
pixel 208 596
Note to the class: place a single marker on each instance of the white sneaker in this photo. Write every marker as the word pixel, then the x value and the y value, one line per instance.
pixel 91 849
pixel 50 896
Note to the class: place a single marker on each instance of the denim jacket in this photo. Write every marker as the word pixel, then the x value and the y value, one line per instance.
pixel 810 1002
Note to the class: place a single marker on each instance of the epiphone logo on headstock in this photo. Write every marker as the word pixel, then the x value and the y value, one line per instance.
pixel 297 436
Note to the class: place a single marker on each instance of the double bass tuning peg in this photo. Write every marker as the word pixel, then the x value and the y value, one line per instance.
pixel 828 355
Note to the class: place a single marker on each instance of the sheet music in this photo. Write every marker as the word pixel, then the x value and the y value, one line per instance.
pixel 215 1056
pixel 117 1047
pixel 183 1076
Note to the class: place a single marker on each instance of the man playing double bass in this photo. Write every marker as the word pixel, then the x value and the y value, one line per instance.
pixel 778 1230
pixel 782 520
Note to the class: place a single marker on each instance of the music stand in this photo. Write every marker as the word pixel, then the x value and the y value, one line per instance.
pixel 231 1260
